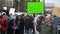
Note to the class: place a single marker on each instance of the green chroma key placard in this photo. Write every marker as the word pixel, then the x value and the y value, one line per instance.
pixel 35 7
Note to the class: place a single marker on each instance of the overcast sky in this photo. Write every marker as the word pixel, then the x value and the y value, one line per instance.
pixel 56 2
pixel 49 1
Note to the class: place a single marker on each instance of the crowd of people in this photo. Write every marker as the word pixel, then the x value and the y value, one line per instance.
pixel 17 24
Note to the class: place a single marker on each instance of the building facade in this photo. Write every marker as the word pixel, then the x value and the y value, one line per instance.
pixel 6 3
pixel 19 6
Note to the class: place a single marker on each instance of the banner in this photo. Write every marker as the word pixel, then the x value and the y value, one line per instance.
pixel 12 11
pixel 56 11
pixel 4 8
pixel 35 7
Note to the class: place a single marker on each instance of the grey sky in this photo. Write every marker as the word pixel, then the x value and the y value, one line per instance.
pixel 49 1
pixel 56 2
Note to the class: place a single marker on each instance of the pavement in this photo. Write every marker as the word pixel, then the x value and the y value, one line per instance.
pixel 36 32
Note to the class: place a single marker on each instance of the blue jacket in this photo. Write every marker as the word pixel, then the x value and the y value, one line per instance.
pixel 11 17
pixel 55 22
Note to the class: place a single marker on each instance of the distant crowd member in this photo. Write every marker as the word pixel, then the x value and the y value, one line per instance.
pixel 4 24
pixel 39 22
pixel 10 24
pixel 55 23
pixel 28 24
pixel 21 25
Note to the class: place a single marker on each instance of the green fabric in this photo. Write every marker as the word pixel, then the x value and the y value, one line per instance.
pixel 52 17
pixel 46 29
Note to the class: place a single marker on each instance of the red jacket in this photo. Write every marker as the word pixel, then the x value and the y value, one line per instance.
pixel 4 20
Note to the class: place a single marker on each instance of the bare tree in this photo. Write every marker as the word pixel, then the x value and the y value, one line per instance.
pixel 0 4
pixel 15 5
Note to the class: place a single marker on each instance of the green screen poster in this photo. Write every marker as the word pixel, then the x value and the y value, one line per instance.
pixel 35 7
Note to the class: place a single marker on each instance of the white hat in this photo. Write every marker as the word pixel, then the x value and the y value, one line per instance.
pixel 48 15
pixel 3 13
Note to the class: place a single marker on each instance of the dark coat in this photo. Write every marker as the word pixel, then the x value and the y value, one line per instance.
pixel 21 26
pixel 29 23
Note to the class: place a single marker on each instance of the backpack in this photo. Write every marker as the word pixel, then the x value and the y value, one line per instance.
pixel 39 21
pixel 5 24
pixel 29 23
pixel 38 26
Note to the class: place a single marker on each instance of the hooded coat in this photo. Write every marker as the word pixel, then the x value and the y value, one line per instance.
pixel 4 20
